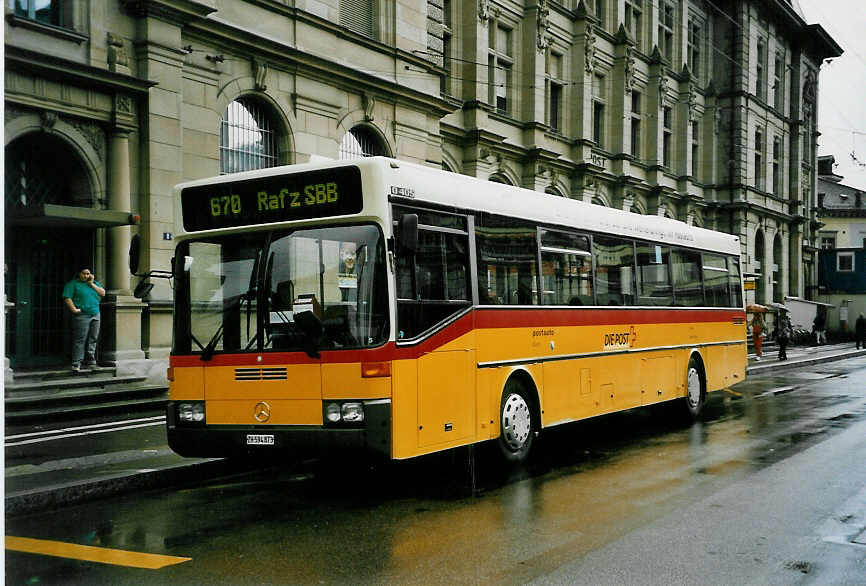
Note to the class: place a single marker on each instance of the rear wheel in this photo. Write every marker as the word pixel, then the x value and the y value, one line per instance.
pixel 695 388
pixel 517 427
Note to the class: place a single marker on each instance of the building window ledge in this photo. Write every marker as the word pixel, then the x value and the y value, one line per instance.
pixel 48 29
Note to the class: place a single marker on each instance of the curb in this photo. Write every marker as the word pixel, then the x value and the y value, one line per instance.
pixel 789 364
pixel 51 497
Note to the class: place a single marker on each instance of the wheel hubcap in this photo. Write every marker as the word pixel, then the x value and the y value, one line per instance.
pixel 694 381
pixel 516 422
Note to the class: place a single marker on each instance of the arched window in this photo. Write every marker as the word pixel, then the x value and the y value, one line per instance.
pixel 248 137
pixel 551 190
pixel 778 273
pixel 499 178
pixel 361 142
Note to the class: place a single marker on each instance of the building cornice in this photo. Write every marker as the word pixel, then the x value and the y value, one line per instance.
pixel 51 67
pixel 180 11
pixel 841 213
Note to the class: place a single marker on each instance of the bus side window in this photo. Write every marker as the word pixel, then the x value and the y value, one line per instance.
pixel 438 272
pixel 688 290
pixel 566 269
pixel 653 275
pixel 614 270
pixel 507 261
pixel 734 283
pixel 716 281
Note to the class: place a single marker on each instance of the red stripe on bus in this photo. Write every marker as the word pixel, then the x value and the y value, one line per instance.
pixel 528 318
pixel 487 318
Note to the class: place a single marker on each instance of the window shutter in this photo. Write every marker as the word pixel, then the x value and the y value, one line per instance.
pixel 357 16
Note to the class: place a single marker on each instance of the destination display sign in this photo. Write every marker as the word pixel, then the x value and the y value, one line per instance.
pixel 280 198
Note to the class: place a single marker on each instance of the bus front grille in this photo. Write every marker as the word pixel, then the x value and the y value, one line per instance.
pixel 257 374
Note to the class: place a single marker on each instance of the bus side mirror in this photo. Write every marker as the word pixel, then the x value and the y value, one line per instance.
pixel 143 289
pixel 409 233
pixel 134 253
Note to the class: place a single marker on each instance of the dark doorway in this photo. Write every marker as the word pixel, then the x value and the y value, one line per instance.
pixel 38 263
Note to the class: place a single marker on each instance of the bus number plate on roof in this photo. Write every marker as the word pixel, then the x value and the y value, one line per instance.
pixel 260 440
pixel 278 198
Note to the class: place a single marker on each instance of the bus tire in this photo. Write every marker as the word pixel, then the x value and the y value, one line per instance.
pixel 517 424
pixel 696 388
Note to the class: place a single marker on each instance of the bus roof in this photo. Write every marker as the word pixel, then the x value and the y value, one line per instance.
pixel 422 184
pixel 460 191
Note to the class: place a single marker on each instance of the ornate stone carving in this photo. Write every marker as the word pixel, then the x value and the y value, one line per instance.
pixel 48 119
pixel 589 49
pixel 810 87
pixel 123 104
pixel 93 134
pixel 627 202
pixel 629 69
pixel 663 89
pixel 542 25
pixel 484 11
pixel 691 216
pixel 691 102
pixel 369 104
pixel 118 60
pixel 260 74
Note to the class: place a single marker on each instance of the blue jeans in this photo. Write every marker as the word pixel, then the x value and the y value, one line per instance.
pixel 85 331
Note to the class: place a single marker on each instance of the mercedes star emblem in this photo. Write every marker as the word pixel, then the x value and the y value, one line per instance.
pixel 262 412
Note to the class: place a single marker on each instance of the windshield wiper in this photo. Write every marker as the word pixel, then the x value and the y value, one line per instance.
pixel 207 352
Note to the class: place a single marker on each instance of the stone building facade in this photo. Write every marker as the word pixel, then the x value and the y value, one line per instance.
pixel 703 111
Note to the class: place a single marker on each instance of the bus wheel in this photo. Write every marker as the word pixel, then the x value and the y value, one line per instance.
pixel 516 423
pixel 695 388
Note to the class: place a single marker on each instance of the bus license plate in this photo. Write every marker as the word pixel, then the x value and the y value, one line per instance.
pixel 260 440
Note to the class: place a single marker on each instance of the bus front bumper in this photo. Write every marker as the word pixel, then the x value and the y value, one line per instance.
pixel 221 441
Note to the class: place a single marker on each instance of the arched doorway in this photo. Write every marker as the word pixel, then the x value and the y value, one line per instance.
pixel 42 254
pixel 760 268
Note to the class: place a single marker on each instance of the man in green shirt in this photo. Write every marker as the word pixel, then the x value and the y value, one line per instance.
pixel 81 296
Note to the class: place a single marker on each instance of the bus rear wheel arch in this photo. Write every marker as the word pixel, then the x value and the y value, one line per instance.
pixel 696 386
pixel 519 420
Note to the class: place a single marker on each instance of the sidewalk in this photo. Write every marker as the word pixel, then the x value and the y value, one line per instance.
pixel 799 356
pixel 60 480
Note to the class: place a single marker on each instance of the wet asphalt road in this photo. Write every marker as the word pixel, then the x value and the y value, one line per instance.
pixel 763 490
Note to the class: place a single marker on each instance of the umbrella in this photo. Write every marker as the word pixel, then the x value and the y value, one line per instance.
pixel 778 307
pixel 756 308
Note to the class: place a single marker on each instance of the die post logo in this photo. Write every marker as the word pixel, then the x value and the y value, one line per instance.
pixel 620 340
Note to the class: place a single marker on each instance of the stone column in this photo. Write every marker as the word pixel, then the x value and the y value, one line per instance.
pixel 121 315
pixel 119 199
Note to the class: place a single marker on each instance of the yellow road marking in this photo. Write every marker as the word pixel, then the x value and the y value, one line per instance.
pixel 89 553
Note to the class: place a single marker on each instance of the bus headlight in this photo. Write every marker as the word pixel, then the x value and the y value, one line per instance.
pixel 332 412
pixel 353 412
pixel 190 412
pixel 350 412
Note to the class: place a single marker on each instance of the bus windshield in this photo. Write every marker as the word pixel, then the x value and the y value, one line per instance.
pixel 243 292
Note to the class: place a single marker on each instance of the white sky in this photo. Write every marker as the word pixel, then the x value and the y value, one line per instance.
pixel 842 89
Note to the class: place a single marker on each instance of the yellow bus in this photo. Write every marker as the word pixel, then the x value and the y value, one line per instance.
pixel 403 310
